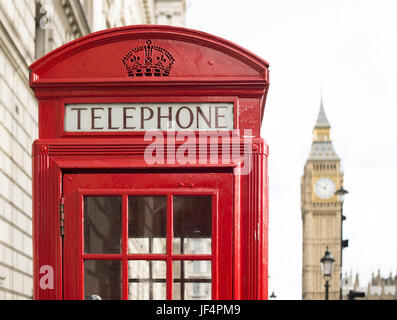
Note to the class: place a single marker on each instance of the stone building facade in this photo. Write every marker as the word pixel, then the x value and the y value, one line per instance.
pixel 379 288
pixel 28 30
pixel 321 213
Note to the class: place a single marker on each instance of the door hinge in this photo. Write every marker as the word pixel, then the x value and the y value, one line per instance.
pixel 62 216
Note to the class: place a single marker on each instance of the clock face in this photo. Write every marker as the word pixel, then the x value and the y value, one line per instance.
pixel 324 188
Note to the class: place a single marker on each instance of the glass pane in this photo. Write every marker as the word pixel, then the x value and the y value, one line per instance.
pixel 102 224
pixel 147 224
pixel 176 291
pixel 198 291
pixel 102 280
pixel 192 225
pixel 147 280
pixel 192 280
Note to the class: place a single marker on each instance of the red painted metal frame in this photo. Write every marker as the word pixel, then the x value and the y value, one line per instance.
pixel 249 229
pixel 74 227
pixel 206 69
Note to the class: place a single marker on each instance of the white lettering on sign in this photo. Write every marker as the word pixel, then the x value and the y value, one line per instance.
pixel 149 117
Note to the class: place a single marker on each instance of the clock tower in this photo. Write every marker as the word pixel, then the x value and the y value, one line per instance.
pixel 321 212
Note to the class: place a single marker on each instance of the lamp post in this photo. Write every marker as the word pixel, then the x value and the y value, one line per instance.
pixel 344 243
pixel 327 263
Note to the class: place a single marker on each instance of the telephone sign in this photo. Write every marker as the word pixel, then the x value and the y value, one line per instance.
pixel 149 117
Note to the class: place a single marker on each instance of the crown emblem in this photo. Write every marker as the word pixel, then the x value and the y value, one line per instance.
pixel 148 60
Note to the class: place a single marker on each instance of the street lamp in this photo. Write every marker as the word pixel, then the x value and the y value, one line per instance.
pixel 341 194
pixel 327 263
pixel 344 243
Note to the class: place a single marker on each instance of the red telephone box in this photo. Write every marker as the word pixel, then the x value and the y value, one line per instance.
pixel 149 174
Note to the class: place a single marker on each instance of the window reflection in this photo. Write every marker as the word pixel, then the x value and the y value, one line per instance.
pixel 102 224
pixel 192 225
pixel 147 229
pixel 147 224
pixel 192 280
pixel 102 279
pixel 147 280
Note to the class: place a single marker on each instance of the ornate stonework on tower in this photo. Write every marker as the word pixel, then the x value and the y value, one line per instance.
pixel 321 212
pixel 379 288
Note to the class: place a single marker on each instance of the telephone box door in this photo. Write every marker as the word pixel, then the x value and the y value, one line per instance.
pixel 159 235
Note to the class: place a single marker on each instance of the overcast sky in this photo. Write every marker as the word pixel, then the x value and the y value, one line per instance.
pixel 349 48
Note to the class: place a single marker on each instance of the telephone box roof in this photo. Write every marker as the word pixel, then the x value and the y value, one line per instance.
pixel 191 48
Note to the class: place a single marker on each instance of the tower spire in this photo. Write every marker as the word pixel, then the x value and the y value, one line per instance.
pixel 321 131
pixel 322 121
